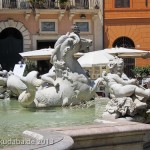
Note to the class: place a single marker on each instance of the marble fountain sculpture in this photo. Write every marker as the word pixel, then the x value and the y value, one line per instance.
pixel 10 84
pixel 3 83
pixel 65 84
pixel 127 98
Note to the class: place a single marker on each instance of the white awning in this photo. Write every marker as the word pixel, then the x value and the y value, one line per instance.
pixel 42 54
pixel 127 52
pixel 94 58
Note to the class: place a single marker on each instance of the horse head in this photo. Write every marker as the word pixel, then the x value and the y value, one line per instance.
pixel 66 44
pixel 85 44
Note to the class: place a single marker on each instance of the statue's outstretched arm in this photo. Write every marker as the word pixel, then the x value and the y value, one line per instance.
pixel 124 82
pixel 105 76
pixel 124 76
pixel 46 77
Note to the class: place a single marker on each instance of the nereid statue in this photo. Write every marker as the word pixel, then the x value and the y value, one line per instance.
pixel 128 98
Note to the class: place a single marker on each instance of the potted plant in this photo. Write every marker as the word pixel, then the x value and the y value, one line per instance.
pixel 64 4
pixel 30 66
pixel 36 3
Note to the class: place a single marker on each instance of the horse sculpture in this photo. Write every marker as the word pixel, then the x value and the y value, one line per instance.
pixel 70 84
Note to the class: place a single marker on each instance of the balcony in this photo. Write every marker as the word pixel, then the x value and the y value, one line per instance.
pixel 48 4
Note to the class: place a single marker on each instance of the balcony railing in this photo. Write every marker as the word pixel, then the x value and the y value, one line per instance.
pixel 47 4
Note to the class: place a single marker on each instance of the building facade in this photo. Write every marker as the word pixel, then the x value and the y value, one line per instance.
pixel 127 24
pixel 35 24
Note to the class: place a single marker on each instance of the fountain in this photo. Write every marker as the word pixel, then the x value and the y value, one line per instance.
pixel 67 85
pixel 128 99
pixel 70 84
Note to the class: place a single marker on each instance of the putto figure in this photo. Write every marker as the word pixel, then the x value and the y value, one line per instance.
pixel 127 96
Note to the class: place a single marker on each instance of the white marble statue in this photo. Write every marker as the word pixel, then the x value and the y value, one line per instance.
pixel 84 46
pixel 15 85
pixel 68 83
pixel 127 96
pixel 3 83
pixel 10 85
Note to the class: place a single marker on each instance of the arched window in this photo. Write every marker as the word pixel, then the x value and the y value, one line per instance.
pixel 123 42
pixel 129 62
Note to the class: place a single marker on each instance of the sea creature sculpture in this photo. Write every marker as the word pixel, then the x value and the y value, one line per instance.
pixel 15 85
pixel 70 84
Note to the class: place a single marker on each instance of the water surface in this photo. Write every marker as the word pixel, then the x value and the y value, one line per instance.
pixel 14 119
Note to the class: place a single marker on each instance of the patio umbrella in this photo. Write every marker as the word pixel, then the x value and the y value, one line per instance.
pixel 94 58
pixel 42 54
pixel 128 53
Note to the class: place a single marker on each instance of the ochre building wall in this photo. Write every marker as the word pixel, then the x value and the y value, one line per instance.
pixel 133 22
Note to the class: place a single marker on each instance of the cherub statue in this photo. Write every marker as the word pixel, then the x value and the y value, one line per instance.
pixel 121 87
pixel 119 84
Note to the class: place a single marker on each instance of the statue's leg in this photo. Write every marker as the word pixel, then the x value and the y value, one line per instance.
pixel 128 90
pixel 123 91
pixel 142 92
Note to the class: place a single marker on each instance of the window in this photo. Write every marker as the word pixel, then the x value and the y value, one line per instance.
pixel 48 26
pixel 129 62
pixel 84 26
pixel 122 3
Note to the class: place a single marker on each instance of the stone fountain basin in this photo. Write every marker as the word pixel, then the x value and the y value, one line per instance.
pixel 87 133
pixel 107 135
pixel 15 119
